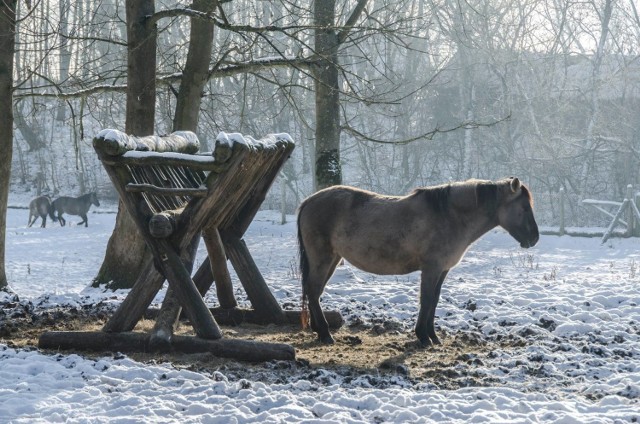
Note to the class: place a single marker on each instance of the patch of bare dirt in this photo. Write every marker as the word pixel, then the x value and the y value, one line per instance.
pixel 378 355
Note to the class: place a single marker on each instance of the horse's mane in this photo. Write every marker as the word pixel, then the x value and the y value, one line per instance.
pixel 471 194
pixel 437 196
pixel 526 192
pixel 478 194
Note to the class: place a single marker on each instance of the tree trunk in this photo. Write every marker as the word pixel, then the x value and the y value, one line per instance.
pixel 196 70
pixel 7 49
pixel 127 253
pixel 141 68
pixel 328 168
pixel 65 53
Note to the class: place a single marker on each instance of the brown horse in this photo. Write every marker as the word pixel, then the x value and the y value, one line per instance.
pixel 74 206
pixel 39 207
pixel 428 230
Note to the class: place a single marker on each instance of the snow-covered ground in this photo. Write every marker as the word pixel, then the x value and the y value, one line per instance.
pixel 569 308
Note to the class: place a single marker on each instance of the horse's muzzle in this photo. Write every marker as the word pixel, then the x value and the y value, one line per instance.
pixel 530 243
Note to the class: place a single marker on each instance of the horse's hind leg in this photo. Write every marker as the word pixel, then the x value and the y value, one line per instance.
pixel 430 285
pixel 319 274
pixel 44 221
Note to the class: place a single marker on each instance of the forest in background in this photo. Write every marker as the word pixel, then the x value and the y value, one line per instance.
pixel 430 91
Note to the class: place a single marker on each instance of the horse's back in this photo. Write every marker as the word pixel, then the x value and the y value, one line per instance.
pixel 377 233
pixel 66 204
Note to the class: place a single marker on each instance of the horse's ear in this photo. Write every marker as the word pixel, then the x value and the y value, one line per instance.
pixel 515 184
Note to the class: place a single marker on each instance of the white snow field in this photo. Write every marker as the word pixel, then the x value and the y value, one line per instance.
pixel 571 303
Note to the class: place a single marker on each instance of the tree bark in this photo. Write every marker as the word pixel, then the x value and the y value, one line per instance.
pixel 7 49
pixel 127 252
pixel 196 70
pixel 328 168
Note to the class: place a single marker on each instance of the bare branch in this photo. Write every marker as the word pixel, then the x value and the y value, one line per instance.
pixel 425 136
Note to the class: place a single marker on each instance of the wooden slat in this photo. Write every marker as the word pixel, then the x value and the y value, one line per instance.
pixel 161 191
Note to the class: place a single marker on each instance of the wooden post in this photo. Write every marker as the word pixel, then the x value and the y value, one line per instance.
pixel 283 199
pixel 636 202
pixel 616 219
pixel 562 230
pixel 630 216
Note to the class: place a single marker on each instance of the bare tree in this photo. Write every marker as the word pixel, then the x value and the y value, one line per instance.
pixel 126 253
pixel 328 170
pixel 7 48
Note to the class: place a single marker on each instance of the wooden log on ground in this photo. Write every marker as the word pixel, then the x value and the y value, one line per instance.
pixel 242 350
pixel 239 316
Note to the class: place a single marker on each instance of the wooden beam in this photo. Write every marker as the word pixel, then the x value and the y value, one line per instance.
pixel 220 272
pixel 261 298
pixel 203 163
pixel 185 290
pixel 115 143
pixel 168 316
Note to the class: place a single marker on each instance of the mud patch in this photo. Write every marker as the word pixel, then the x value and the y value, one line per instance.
pixel 377 355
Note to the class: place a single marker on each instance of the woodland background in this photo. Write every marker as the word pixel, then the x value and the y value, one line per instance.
pixel 385 95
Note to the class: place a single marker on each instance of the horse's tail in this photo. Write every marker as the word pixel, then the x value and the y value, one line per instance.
pixel 304 274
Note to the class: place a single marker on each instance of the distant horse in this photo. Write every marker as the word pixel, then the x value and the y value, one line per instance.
pixel 39 207
pixel 73 206
pixel 428 230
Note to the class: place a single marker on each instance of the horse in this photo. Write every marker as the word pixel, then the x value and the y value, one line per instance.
pixel 39 207
pixel 73 206
pixel 428 230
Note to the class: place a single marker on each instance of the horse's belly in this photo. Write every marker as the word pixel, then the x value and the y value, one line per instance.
pixel 381 265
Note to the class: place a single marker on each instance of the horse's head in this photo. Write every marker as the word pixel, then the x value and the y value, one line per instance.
pixel 515 212
pixel 94 199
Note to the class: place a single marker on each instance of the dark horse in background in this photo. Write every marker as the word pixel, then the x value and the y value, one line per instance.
pixel 73 206
pixel 428 230
pixel 39 207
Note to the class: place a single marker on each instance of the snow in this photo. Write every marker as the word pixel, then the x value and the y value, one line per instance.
pixel 570 305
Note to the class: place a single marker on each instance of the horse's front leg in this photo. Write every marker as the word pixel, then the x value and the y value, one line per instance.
pixel 430 285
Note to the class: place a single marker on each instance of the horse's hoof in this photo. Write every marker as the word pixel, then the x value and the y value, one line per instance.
pixel 424 343
pixel 328 340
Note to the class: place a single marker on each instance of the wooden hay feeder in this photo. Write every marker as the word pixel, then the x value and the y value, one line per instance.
pixel 174 195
